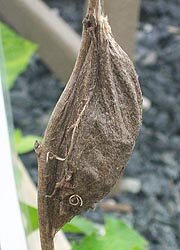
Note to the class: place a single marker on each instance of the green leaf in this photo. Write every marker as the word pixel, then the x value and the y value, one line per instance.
pixel 17 52
pixel 79 225
pixel 18 176
pixel 24 144
pixel 30 217
pixel 119 236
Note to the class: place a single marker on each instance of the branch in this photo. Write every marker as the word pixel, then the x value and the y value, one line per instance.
pixel 95 8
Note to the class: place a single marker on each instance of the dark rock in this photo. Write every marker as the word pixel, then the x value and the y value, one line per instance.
pixel 71 11
pixel 164 236
pixel 95 215
pixel 155 185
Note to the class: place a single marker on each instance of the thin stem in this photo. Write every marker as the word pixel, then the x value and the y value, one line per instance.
pixel 102 6
pixel 91 6
pixel 95 8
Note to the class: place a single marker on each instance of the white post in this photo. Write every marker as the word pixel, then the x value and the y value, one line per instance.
pixel 123 16
pixel 58 42
pixel 12 234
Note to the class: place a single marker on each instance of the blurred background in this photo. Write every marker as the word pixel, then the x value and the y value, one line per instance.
pixel 151 187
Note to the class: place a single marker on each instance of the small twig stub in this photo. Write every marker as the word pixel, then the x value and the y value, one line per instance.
pixel 92 130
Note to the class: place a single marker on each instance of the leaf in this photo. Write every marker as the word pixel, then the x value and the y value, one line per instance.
pixel 119 236
pixel 24 144
pixel 17 52
pixel 30 216
pixel 79 225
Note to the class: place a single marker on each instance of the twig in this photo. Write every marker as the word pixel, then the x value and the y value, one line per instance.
pixel 119 208
pixel 94 8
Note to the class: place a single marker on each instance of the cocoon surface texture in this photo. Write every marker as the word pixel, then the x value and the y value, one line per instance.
pixel 92 130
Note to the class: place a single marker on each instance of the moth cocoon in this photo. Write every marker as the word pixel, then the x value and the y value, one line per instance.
pixel 92 130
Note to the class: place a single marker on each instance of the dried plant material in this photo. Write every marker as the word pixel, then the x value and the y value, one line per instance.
pixel 92 130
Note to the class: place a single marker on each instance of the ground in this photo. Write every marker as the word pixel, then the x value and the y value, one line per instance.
pixel 155 161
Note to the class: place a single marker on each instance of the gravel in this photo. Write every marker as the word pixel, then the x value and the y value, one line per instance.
pixel 155 161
